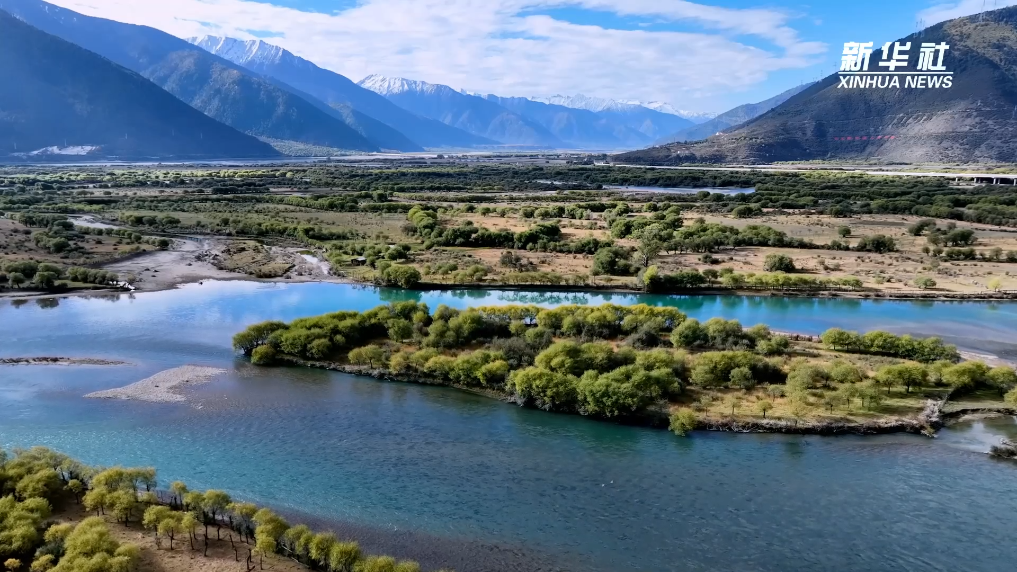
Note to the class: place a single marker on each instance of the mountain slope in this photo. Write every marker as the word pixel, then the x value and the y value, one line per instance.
pixel 341 93
pixel 651 123
pixel 576 127
pixel 731 118
pixel 214 86
pixel 972 121
pixel 467 112
pixel 56 94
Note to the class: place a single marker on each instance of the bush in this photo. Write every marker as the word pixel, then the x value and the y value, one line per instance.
pixel 400 275
pixel 613 261
pixel 546 389
pixel 683 421
pixel 263 355
pixel 779 263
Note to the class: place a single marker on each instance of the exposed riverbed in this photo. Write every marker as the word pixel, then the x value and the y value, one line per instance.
pixel 460 480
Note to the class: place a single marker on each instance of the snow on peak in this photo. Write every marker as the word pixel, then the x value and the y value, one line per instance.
pixel 395 85
pixel 241 52
pixel 595 104
pixel 580 101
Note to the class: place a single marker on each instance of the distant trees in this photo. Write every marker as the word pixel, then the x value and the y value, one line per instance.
pixel 878 243
pixel 877 342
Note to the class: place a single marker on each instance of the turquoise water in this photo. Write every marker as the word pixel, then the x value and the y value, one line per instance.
pixel 682 190
pixel 456 479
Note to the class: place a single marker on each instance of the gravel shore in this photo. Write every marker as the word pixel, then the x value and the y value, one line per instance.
pixel 160 387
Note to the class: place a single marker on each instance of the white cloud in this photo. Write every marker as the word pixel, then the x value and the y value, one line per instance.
pixel 959 8
pixel 503 47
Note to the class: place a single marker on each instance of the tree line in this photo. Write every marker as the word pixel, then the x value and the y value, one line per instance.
pixel 35 481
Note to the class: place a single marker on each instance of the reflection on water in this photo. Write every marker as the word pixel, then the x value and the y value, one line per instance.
pixel 464 469
pixel 979 435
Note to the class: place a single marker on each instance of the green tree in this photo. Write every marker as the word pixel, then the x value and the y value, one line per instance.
pixel 214 504
pixel 16 279
pixel 263 355
pixel 683 421
pixel 690 334
pixel 924 282
pixel 369 355
pixel 764 406
pixel 779 263
pixel 843 231
pixel 399 329
pixel 742 377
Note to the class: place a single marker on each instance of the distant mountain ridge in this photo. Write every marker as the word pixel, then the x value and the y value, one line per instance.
pixel 407 131
pixel 463 111
pixel 731 118
pixel 60 99
pixel 971 122
pixel 220 89
pixel 577 128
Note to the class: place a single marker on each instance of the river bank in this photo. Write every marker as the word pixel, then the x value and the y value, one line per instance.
pixel 927 422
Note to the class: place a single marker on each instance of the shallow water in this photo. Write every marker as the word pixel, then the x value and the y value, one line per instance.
pixel 456 479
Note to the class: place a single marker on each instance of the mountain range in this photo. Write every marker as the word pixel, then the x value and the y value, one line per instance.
pixel 470 113
pixel 78 84
pixel 341 94
pixel 731 118
pixel 265 91
pixel 58 98
pixel 974 120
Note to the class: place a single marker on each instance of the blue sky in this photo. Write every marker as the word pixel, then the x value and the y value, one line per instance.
pixel 699 55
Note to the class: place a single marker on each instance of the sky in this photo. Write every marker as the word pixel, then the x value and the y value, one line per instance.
pixel 698 55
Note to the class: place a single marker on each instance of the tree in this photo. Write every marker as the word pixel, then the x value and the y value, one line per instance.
pixel 399 329
pixel 343 556
pixel 263 355
pixel 45 280
pixel 839 339
pixel 256 335
pixel 877 243
pixel 683 421
pixel 401 275
pixel 367 355
pixel 690 334
pixel 764 406
pixel 12 564
pixel 214 503
pixel 188 523
pixel 779 263
pixel 995 283
pixel 612 261
pixel 649 248
pixel 16 279
pixel 924 282
pixel 843 231
pixel 742 377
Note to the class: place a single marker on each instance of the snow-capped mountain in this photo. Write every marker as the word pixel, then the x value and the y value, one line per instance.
pixel 248 53
pixel 580 101
pixel 395 85
pixel 664 107
pixel 372 115
pixel 597 104
pixel 464 111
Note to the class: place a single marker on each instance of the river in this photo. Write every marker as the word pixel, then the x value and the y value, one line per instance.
pixel 460 480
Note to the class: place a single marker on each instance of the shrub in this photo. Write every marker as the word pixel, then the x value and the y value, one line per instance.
pixel 683 421
pixel 779 263
pixel 263 355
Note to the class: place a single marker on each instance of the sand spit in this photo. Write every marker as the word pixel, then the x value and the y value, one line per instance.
pixel 58 361
pixel 160 388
